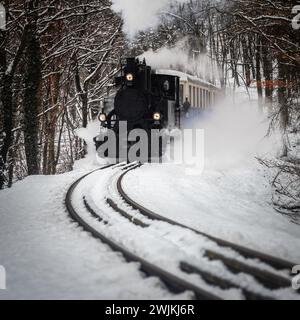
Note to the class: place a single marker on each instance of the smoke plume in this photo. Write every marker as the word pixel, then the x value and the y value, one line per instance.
pixel 139 15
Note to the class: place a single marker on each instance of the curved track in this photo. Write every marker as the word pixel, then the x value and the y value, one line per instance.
pixel 269 279
pixel 174 283
pixel 246 252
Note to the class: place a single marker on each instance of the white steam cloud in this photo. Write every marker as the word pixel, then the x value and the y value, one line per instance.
pixel 178 58
pixel 139 15
pixel 236 133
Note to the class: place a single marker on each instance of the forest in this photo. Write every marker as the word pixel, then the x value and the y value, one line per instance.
pixel 58 59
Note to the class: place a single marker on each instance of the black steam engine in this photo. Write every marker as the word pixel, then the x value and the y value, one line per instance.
pixel 144 99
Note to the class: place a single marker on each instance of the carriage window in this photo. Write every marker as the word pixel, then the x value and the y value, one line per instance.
pixel 201 102
pixel 194 97
pixel 181 94
pixel 208 99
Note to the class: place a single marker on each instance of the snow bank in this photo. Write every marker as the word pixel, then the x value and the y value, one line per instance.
pixel 47 256
pixel 231 203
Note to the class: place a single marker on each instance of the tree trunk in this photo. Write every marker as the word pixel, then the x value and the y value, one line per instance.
pixel 268 74
pixel 247 70
pixel 51 130
pixel 84 100
pixel 31 99
pixel 258 72
pixel 282 104
pixel 6 104
pixel 282 87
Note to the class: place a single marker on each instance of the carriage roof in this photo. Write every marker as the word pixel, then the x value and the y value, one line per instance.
pixel 185 77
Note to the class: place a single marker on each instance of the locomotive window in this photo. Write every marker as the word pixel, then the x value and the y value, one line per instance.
pixel 166 85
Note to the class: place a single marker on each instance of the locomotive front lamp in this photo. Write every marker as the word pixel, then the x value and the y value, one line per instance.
pixel 156 116
pixel 102 117
pixel 129 77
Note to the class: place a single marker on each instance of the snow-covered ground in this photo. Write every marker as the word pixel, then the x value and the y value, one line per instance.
pixel 161 243
pixel 47 256
pixel 233 204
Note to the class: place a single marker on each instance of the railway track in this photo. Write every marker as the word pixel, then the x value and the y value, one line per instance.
pixel 275 277
pixel 174 283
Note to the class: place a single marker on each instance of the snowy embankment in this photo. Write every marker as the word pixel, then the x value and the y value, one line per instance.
pixel 47 256
pixel 233 204
pixel 161 243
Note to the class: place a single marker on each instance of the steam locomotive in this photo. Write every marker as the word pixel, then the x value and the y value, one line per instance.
pixel 144 100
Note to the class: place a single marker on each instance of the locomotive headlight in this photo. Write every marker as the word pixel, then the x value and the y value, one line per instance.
pixel 102 117
pixel 129 77
pixel 156 116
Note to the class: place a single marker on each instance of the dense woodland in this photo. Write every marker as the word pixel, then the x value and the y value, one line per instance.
pixel 58 59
